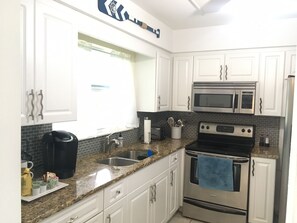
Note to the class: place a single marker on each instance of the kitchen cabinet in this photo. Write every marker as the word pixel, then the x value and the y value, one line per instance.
pixel 270 85
pixel 174 183
pixel 262 183
pixel 81 211
pixel 48 46
pixel 226 66
pixel 182 83
pixel 153 83
pixel 116 213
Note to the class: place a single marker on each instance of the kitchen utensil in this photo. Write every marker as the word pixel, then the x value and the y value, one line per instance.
pixel 171 121
pixel 179 123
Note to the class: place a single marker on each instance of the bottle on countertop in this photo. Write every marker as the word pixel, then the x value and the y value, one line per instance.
pixel 147 131
pixel 121 140
pixel 266 144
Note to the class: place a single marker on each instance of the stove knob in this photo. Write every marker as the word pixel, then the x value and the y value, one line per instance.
pixel 202 126
pixel 249 131
pixel 242 130
pixel 207 127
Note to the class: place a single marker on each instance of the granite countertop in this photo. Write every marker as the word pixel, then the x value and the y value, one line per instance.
pixel 91 177
pixel 265 152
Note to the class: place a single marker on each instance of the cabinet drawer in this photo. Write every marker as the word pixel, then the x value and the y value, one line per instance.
pixel 80 212
pixel 114 193
pixel 173 159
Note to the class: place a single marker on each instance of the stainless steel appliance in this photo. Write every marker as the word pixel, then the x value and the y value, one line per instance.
pixel 229 142
pixel 231 97
pixel 60 153
pixel 286 124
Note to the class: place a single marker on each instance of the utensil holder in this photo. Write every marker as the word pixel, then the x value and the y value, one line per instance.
pixel 176 132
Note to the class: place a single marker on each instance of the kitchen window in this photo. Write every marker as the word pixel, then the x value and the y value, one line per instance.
pixel 106 99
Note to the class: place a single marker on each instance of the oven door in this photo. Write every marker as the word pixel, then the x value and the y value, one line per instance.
pixel 235 199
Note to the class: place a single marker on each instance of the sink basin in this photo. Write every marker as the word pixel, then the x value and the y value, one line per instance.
pixel 135 154
pixel 117 161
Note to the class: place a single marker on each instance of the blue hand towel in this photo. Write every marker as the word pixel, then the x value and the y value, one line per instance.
pixel 215 173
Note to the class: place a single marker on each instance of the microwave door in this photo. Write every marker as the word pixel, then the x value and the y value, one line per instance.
pixel 213 100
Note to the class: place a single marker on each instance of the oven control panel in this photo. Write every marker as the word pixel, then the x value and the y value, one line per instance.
pixel 226 129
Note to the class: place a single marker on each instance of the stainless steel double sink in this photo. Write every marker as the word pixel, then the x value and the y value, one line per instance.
pixel 126 158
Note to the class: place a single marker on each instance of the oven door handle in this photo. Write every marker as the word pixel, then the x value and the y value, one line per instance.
pixel 214 207
pixel 235 159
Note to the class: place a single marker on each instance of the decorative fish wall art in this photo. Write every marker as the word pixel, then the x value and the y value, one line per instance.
pixel 115 10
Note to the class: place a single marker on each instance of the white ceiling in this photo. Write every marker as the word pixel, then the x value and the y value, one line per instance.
pixel 182 14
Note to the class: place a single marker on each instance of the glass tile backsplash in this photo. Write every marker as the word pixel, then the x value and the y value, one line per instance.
pixel 266 126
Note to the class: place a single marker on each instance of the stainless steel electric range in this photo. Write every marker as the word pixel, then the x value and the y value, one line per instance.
pixel 217 173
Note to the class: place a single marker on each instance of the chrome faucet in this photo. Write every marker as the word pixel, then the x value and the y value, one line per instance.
pixel 109 142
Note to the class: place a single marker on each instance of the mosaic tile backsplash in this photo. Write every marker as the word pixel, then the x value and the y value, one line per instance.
pixel 266 126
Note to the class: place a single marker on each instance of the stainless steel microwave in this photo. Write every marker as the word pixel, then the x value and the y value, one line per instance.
pixel 230 97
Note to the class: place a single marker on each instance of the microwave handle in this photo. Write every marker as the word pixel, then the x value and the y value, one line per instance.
pixel 233 101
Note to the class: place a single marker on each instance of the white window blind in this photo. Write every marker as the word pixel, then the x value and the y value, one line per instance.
pixel 105 92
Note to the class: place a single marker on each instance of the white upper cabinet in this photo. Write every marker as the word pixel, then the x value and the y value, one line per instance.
pixel 182 83
pixel 164 82
pixel 49 92
pixel 229 66
pixel 153 82
pixel 270 85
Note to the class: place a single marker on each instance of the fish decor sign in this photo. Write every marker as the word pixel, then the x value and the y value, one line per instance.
pixel 115 10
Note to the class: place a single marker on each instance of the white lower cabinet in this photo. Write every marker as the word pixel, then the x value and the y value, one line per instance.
pixel 116 213
pixel 262 183
pixel 173 201
pixel 80 212
pixel 97 219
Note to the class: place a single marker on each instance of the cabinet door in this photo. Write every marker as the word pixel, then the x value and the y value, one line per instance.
pixel 173 190
pixel 262 182
pixel 270 85
pixel 56 43
pixel 241 66
pixel 182 83
pixel 97 219
pixel 139 203
pixel 208 68
pixel 164 82
pixel 27 61
pixel 116 213
pixel 160 205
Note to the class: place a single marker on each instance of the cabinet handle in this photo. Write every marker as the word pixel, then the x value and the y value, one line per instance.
pixel 159 103
pixel 253 168
pixel 261 105
pixel 41 104
pixel 151 194
pixel 226 71
pixel 72 219
pixel 189 100
pixel 171 178
pixel 221 72
pixel 32 104
pixel 155 193
pixel 108 218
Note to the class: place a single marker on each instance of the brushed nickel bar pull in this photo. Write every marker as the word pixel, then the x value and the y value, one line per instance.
pixel 261 105
pixel 155 193
pixel 171 180
pixel 221 72
pixel 189 99
pixel 41 104
pixel 32 104
pixel 226 72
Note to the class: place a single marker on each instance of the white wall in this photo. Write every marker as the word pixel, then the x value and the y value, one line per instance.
pixel 276 33
pixel 10 186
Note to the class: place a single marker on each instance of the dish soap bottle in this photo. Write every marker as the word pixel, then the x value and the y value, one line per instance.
pixel 121 140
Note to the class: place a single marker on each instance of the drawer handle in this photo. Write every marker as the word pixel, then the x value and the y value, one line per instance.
pixel 118 192
pixel 73 219
pixel 108 218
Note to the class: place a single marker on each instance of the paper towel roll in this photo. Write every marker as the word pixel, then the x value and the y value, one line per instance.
pixel 147 131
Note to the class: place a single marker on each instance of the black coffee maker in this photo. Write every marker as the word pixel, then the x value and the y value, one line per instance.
pixel 60 153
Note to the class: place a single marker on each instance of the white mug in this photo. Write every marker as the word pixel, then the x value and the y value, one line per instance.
pixel 26 164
